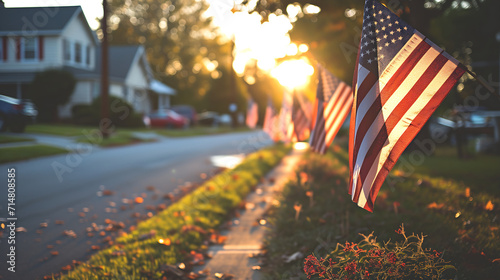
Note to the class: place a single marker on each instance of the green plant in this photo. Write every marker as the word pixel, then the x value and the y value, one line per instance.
pixel 368 259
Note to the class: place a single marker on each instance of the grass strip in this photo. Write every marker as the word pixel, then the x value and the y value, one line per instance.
pixel 120 138
pixel 13 139
pixel 199 130
pixel 28 152
pixel 458 220
pixel 185 224
pixel 58 129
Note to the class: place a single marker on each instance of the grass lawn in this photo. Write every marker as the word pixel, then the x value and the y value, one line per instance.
pixel 58 129
pixel 432 200
pixel 28 152
pixel 12 139
pixel 199 130
pixel 72 130
pixel 172 239
pixel 120 138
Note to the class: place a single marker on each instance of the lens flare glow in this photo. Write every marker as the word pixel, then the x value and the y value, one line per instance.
pixel 293 73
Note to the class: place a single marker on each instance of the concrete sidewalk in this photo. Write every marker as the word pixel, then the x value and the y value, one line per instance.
pixel 51 140
pixel 246 233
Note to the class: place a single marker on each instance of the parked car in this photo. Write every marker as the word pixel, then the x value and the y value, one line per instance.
pixel 186 111
pixel 15 113
pixel 208 118
pixel 167 118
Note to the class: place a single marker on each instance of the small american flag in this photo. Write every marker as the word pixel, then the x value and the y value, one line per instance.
pixel 333 103
pixel 252 114
pixel 270 121
pixel 285 118
pixel 400 79
pixel 301 118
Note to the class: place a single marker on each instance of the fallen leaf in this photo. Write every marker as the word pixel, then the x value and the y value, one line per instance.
pixel 139 200
pixel 434 205
pixel 54 253
pixel 107 192
pixel 467 192
pixel 44 225
pixel 66 268
pixel 489 206
pixel 59 222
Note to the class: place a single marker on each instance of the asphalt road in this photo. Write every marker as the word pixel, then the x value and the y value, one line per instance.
pixel 71 192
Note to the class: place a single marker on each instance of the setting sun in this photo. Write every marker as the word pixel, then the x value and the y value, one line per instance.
pixel 293 73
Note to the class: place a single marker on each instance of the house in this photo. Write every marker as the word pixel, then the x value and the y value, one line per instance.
pixel 39 38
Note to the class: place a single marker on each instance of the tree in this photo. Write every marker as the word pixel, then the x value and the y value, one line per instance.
pixel 182 45
pixel 49 89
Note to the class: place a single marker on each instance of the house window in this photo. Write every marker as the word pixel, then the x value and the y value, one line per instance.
pixel 29 48
pixel 87 56
pixel 67 50
pixel 78 53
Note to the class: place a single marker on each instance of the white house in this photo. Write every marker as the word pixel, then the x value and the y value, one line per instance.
pixel 35 39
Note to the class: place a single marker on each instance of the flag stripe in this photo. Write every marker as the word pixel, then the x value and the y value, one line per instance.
pixel 334 115
pixel 338 123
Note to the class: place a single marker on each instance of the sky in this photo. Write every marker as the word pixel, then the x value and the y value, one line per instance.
pixel 255 41
pixel 91 8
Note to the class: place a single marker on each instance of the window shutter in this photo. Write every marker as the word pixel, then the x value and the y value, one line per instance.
pixel 40 48
pixel 4 47
pixel 18 48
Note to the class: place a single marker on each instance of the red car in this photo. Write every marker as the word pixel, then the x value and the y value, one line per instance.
pixel 167 118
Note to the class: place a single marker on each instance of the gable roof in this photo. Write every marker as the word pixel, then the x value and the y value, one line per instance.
pixel 40 20
pixel 121 60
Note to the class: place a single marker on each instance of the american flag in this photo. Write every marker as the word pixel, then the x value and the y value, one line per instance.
pixel 252 114
pixel 270 121
pixel 400 79
pixel 333 103
pixel 285 118
pixel 301 118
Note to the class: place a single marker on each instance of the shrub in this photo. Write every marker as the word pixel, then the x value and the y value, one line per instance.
pixel 49 89
pixel 120 112
pixel 370 260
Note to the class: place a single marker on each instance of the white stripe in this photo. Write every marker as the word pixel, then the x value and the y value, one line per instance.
pixel 393 102
pixel 403 125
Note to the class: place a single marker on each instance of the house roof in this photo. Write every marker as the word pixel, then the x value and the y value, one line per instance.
pixel 161 88
pixel 39 20
pixel 121 59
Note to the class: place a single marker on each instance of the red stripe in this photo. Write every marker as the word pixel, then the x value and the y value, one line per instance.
pixel 40 47
pixel 392 85
pixel 410 133
pixel 396 115
pixel 4 48
pixel 18 48
pixel 365 87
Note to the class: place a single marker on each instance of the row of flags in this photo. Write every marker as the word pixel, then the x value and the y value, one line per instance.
pixel 400 79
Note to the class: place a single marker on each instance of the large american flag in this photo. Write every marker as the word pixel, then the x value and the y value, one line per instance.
pixel 252 114
pixel 333 103
pixel 400 79
pixel 301 118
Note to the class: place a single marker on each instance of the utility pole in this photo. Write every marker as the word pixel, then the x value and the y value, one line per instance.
pixel 104 124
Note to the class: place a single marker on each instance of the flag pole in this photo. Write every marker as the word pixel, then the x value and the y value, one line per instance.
pixel 480 80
